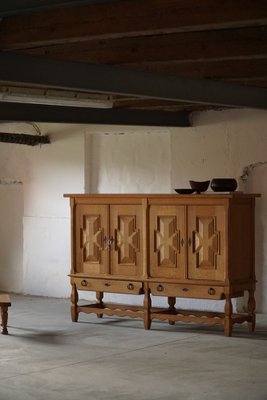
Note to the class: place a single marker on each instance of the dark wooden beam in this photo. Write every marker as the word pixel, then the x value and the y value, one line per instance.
pixel 243 43
pixel 75 115
pixel 114 80
pixel 241 69
pixel 129 18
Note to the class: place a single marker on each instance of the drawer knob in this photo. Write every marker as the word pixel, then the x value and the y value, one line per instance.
pixel 130 286
pixel 160 288
pixel 84 282
pixel 185 289
pixel 107 284
pixel 211 291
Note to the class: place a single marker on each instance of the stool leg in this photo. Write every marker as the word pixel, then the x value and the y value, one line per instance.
pixel 4 315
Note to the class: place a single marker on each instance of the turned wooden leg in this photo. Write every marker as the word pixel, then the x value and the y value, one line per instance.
pixel 251 310
pixel 171 302
pixel 74 300
pixel 4 315
pixel 228 309
pixel 147 307
pixel 99 298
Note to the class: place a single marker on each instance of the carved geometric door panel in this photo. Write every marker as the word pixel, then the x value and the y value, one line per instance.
pixel 91 233
pixel 126 232
pixel 206 242
pixel 167 241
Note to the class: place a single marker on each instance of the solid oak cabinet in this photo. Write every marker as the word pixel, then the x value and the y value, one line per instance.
pixel 187 246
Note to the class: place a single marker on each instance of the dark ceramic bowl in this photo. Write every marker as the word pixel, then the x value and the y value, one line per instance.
pixel 199 186
pixel 223 184
pixel 184 191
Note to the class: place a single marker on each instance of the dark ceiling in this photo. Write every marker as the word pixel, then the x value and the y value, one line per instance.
pixel 167 57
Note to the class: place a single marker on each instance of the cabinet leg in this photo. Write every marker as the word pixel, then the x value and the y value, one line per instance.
pixel 74 300
pixel 99 298
pixel 171 302
pixel 4 315
pixel 251 310
pixel 147 308
pixel 228 309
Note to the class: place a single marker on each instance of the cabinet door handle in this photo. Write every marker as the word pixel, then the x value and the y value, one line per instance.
pixel 84 282
pixel 130 286
pixel 211 291
pixel 108 242
pixel 107 284
pixel 160 288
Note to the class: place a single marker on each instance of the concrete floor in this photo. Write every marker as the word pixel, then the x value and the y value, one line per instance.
pixel 48 357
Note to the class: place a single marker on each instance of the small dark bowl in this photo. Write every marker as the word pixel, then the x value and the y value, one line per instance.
pixel 184 191
pixel 223 184
pixel 199 186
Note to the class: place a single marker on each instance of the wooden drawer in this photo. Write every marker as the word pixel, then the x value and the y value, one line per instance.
pixel 108 285
pixel 193 291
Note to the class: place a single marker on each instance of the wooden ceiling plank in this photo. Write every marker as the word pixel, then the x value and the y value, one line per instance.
pixel 75 115
pixel 244 43
pixel 128 19
pixel 115 80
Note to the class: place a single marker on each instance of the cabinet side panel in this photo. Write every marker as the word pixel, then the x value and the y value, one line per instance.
pixel 91 230
pixel 241 241
pixel 167 241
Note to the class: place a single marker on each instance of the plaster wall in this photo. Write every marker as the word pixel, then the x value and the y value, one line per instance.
pixel 39 218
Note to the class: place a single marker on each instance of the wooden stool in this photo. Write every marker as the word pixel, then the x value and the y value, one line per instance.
pixel 5 302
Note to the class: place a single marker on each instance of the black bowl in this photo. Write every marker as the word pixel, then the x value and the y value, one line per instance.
pixel 199 186
pixel 184 191
pixel 223 184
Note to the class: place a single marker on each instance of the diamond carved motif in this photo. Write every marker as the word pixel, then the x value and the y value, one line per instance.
pixel 167 239
pixel 127 240
pixel 206 243
pixel 92 238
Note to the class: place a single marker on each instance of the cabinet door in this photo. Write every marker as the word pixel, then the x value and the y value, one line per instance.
pixel 91 229
pixel 167 241
pixel 127 231
pixel 206 242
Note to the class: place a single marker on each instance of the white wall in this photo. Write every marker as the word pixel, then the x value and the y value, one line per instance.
pixel 132 160
pixel 11 236
pixel 46 172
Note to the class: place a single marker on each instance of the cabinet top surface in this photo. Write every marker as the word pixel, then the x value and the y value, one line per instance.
pixel 207 195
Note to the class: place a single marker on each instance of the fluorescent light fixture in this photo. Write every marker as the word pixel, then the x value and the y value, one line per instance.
pixel 54 97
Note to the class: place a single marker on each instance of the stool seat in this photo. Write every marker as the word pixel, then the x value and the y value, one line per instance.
pixel 5 302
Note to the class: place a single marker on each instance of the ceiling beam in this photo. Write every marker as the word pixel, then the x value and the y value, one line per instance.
pixel 241 69
pixel 76 115
pixel 128 19
pixel 14 7
pixel 243 43
pixel 114 80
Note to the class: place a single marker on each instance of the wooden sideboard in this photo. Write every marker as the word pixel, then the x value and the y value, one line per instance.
pixel 176 246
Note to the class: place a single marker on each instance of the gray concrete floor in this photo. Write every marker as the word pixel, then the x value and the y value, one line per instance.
pixel 48 357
